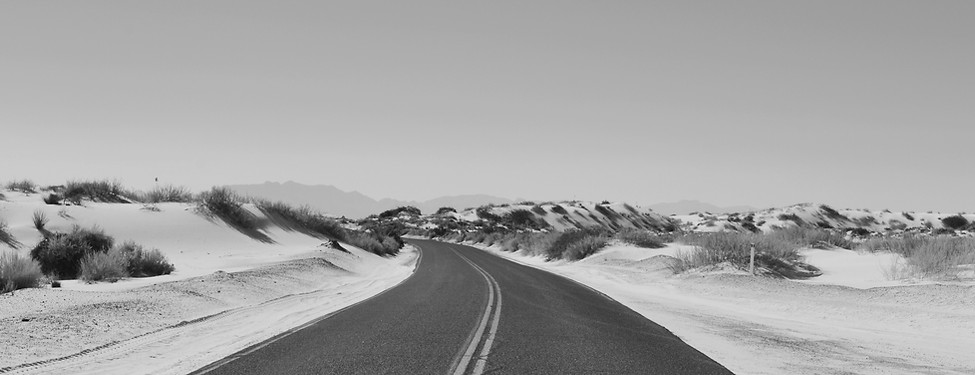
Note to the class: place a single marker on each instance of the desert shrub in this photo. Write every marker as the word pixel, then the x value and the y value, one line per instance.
pixel 61 253
pixel 6 237
pixel 559 210
pixel 96 191
pixel 103 266
pixel 23 186
pixel 907 216
pixel 52 199
pixel 140 262
pixel 577 244
pixel 955 222
pixel 373 243
pixel 445 210
pixel 303 219
pixel 735 248
pixel 641 238
pixel 813 237
pixel 40 221
pixel 539 210
pixel 168 193
pixel 228 206
pixel 409 210
pixel 18 271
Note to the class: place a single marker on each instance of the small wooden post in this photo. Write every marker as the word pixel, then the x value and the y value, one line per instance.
pixel 751 264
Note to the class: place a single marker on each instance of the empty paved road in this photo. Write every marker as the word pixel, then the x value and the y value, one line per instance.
pixel 465 311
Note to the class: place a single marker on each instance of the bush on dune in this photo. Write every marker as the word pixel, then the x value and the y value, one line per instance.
pixel 303 219
pixel 96 191
pixel 168 193
pixel 640 238
pixel 578 243
pixel 108 266
pixel 61 253
pixel 18 271
pixel 773 253
pixel 141 262
pixel 23 186
pixel 228 206
pixel 813 237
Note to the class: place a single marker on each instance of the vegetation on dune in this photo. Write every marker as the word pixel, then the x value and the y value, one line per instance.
pixel 61 253
pixel 167 193
pixel 927 256
pixel 6 237
pixel 303 219
pixel 226 205
pixel 23 186
pixel 18 271
pixel 96 191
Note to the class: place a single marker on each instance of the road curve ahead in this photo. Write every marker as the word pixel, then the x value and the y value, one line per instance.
pixel 466 311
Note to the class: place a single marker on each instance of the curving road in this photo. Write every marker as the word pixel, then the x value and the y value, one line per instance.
pixel 465 311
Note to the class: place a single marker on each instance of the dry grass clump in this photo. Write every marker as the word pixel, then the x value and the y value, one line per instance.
pixel 18 271
pixel 108 266
pixel 96 191
pixel 373 243
pixel 640 238
pixel 23 186
pixel 938 257
pixel 303 219
pixel 142 262
pixel 168 193
pixel 127 260
pixel 577 244
pixel 228 206
pixel 813 237
pixel 772 252
pixel 40 221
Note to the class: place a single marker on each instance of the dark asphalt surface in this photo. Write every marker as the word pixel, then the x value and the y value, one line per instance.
pixel 548 325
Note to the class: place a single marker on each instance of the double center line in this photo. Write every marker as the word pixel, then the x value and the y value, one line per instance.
pixel 491 314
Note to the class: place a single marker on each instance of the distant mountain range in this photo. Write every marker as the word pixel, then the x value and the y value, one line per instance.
pixel 353 204
pixel 687 206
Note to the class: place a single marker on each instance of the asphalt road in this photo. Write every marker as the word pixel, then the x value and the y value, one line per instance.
pixel 465 311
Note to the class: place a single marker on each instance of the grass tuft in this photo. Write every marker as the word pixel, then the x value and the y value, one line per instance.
pixel 40 221
pixel 108 266
pixel 168 193
pixel 141 262
pixel 18 271
pixel 303 219
pixel 96 191
pixel 228 206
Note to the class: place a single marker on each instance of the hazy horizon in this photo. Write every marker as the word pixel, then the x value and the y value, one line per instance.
pixel 763 103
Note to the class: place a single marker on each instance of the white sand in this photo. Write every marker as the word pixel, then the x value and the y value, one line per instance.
pixel 756 325
pixel 228 292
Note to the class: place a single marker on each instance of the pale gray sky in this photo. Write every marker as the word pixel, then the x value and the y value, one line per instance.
pixel 852 103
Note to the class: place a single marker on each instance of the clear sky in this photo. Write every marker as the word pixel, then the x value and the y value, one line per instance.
pixel 861 104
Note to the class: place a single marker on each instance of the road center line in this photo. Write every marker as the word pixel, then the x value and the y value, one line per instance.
pixel 488 315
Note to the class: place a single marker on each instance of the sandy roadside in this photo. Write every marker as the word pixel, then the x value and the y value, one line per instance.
pixel 756 325
pixel 176 327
